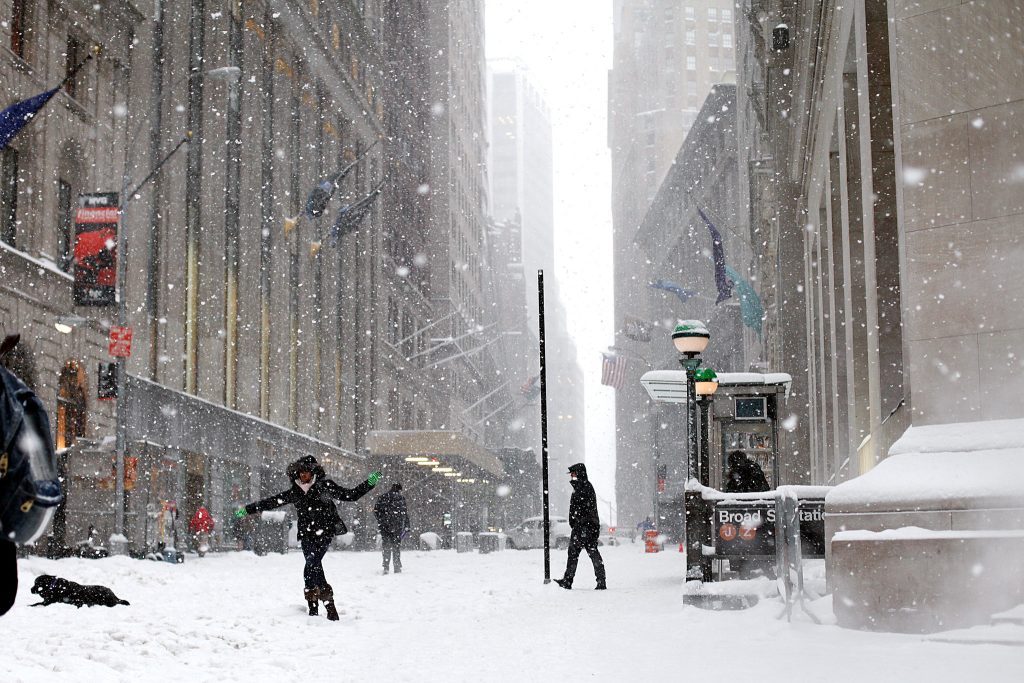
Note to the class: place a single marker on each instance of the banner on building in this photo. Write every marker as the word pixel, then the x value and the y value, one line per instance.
pixel 106 381
pixel 637 329
pixel 96 223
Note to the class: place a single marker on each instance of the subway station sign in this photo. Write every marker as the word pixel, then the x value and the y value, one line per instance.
pixel 747 529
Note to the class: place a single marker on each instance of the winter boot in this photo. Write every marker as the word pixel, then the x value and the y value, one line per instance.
pixel 312 596
pixel 600 585
pixel 564 583
pixel 327 595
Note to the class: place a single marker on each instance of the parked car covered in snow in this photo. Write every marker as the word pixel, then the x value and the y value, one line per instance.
pixel 530 533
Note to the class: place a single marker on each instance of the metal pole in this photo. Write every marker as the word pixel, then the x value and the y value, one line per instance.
pixel 691 539
pixel 544 428
pixel 705 441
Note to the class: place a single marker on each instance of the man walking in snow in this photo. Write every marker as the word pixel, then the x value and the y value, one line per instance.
pixel 393 522
pixel 586 527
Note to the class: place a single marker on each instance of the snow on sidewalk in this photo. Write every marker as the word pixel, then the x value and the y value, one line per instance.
pixel 448 617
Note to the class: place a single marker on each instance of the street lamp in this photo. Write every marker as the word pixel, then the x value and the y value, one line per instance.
pixel 706 382
pixel 691 337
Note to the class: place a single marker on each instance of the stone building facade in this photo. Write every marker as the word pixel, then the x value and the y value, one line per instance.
pixel 260 334
pixel 667 56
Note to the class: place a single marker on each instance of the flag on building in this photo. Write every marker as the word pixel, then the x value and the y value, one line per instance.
pixel 637 329
pixel 751 310
pixel 669 286
pixel 351 215
pixel 613 370
pixel 17 116
pixel 530 388
pixel 718 252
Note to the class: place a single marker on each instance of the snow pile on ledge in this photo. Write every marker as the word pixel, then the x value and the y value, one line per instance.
pixel 951 466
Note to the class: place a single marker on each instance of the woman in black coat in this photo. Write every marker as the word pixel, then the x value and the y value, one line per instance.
pixel 313 496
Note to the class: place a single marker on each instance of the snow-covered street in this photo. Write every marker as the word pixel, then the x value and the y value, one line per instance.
pixel 448 617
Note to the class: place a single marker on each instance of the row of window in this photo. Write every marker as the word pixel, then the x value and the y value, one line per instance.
pixel 714 39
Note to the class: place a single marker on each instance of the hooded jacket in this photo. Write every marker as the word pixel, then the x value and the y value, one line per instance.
pixel 318 515
pixel 583 518
pixel 391 513
pixel 744 475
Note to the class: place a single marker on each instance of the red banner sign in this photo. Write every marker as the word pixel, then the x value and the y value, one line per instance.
pixel 120 341
pixel 95 252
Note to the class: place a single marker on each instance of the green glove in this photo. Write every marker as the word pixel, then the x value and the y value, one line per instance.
pixel 240 512
pixel 373 478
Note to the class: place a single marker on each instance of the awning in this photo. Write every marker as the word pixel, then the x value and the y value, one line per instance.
pixel 433 442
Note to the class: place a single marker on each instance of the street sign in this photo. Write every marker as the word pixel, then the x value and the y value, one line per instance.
pixel 120 341
pixel 745 529
pixel 811 514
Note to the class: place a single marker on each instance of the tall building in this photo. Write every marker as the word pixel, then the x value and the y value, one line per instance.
pixel 263 331
pixel 522 201
pixel 667 56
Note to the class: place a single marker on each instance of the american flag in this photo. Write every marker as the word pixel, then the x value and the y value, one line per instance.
pixel 613 370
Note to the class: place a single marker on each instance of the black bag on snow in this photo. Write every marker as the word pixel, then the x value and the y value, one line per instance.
pixel 29 488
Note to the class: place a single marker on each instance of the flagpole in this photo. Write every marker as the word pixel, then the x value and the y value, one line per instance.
pixel 544 428
pixel 119 545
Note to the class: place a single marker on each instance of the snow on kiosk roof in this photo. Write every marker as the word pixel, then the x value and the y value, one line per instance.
pixel 669 386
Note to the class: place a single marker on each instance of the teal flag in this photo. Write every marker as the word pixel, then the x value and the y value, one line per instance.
pixel 751 310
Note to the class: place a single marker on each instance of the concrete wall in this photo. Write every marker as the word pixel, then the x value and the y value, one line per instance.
pixel 960 70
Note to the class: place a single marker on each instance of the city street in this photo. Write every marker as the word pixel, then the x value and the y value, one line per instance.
pixel 448 617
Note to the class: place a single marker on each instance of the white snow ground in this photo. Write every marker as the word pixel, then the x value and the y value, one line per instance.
pixel 449 617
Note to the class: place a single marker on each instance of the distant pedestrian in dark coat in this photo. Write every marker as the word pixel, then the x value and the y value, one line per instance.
pixel 586 527
pixel 313 496
pixel 393 522
pixel 744 475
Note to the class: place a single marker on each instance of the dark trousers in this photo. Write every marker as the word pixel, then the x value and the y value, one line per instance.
pixel 391 547
pixel 8 575
pixel 575 546
pixel 314 549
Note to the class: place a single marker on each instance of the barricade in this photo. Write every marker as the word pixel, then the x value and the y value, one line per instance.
pixel 651 544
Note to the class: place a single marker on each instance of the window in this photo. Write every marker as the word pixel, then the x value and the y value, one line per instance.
pixel 19 26
pixel 727 15
pixel 690 13
pixel 8 195
pixel 712 14
pixel 691 37
pixel 691 63
pixel 726 40
pixel 712 40
pixel 65 224
pixel 72 56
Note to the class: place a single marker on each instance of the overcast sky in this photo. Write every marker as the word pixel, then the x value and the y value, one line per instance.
pixel 566 46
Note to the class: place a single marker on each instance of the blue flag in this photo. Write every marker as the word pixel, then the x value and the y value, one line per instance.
pixel 16 116
pixel 751 310
pixel 669 286
pixel 718 251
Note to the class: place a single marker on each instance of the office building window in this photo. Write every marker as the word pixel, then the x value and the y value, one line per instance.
pixel 691 63
pixel 691 37
pixel 20 10
pixel 690 13
pixel 712 14
pixel 727 15
pixel 712 40
pixel 8 195
pixel 726 40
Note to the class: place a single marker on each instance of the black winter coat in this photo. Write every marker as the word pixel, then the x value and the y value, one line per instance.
pixel 746 476
pixel 318 515
pixel 583 517
pixel 392 515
